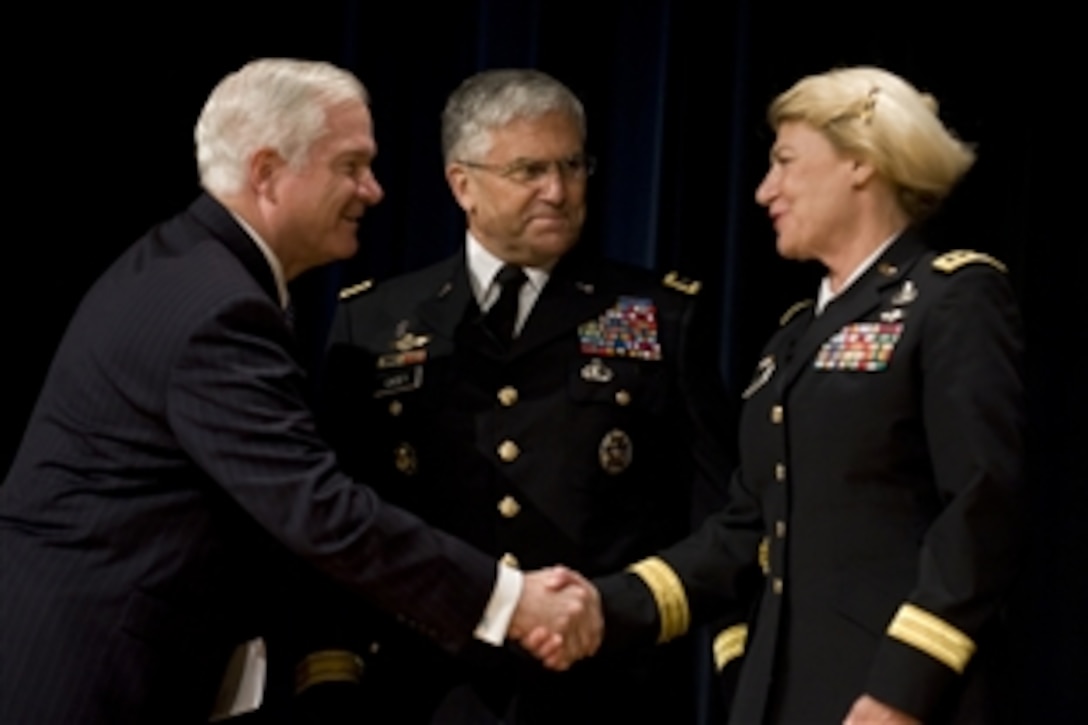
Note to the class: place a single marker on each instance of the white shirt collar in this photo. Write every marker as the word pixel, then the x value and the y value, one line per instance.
pixel 483 266
pixel 825 296
pixel 270 257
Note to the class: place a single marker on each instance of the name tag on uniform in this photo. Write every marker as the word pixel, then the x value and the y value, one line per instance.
pixel 860 347
pixel 398 380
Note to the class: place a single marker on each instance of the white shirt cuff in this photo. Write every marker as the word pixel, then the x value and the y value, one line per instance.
pixel 500 608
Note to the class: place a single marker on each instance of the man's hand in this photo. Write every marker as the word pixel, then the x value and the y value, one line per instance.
pixel 558 617
pixel 867 711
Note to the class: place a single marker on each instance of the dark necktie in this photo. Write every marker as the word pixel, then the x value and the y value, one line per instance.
pixel 500 319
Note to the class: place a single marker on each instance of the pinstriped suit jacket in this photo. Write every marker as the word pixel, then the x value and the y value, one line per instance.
pixel 169 474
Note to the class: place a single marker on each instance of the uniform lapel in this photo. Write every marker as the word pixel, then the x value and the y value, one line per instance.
pixel 444 309
pixel 861 299
pixel 571 297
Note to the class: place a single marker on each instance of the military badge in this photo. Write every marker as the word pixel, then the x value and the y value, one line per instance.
pixel 680 284
pixel 906 294
pixel 595 371
pixel 615 451
pixel 763 373
pixel 860 347
pixel 408 341
pixel 893 315
pixel 403 369
pixel 405 460
pixel 949 262
pixel 399 380
pixel 348 292
pixel 401 359
pixel 585 288
pixel 627 329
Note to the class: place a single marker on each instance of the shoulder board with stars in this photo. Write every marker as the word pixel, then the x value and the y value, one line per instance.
pixel 682 284
pixel 356 289
pixel 949 262
pixel 793 310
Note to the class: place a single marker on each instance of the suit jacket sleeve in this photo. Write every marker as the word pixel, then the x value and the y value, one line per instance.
pixel 973 412
pixel 237 405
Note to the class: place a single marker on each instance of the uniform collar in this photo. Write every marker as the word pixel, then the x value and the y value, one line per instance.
pixel 483 266
pixel 824 296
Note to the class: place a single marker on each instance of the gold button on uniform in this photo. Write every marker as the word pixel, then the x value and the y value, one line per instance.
pixel 780 472
pixel 776 585
pixel 780 529
pixel 509 451
pixel 623 397
pixel 776 414
pixel 509 507
pixel 508 396
pixel 396 408
pixel 509 560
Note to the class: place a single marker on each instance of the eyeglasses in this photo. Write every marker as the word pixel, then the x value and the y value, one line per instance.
pixel 530 172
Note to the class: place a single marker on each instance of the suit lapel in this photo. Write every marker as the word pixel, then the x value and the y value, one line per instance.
pixel 214 217
pixel 862 298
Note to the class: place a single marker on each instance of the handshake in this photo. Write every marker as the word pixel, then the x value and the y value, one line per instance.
pixel 558 617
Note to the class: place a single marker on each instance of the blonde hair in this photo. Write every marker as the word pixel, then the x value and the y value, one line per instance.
pixel 277 103
pixel 877 116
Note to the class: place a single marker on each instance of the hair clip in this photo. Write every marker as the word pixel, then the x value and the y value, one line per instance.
pixel 869 105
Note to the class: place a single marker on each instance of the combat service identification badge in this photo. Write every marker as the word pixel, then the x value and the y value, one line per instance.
pixel 405 460
pixel 763 373
pixel 615 451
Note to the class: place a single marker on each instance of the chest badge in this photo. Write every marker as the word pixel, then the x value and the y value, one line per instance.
pixel 585 288
pixel 595 371
pixel 764 372
pixel 627 329
pixel 860 347
pixel 409 341
pixel 615 451
pixel 905 295
pixel 402 371
pixel 405 459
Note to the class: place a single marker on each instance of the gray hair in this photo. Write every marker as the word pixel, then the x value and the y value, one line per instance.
pixel 273 103
pixel 494 98
pixel 879 117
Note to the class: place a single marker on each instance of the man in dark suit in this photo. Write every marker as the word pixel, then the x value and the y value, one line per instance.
pixel 540 402
pixel 171 473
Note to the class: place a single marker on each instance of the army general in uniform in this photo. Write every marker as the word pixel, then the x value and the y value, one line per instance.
pixel 546 405
pixel 871 534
